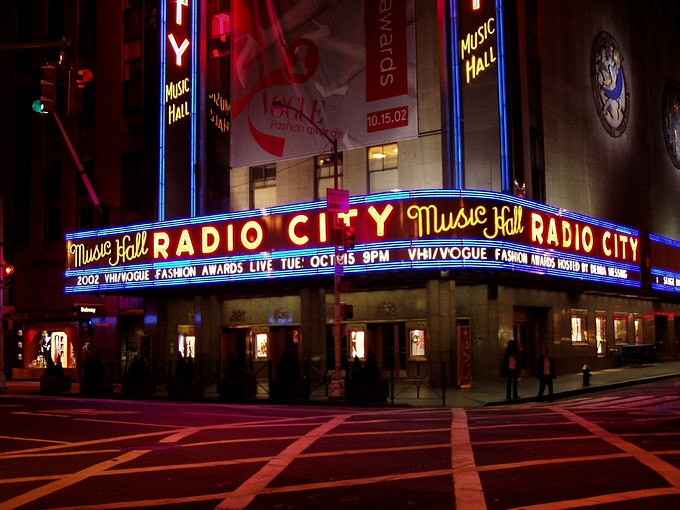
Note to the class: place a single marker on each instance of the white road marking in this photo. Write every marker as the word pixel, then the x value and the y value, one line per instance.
pixel 242 496
pixel 466 483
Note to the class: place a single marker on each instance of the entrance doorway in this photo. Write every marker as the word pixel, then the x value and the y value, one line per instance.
pixel 388 343
pixel 529 326
pixel 664 336
pixel 235 347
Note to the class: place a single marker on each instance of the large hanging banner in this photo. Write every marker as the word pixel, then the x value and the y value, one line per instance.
pixel 343 70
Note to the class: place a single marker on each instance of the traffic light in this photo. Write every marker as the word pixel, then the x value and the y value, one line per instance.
pixel 48 90
pixel 7 272
pixel 348 239
pixel 80 83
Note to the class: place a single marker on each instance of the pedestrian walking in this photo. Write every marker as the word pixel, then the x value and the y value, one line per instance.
pixel 546 372
pixel 510 370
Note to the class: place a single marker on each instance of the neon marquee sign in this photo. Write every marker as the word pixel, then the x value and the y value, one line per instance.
pixel 411 230
pixel 665 265
pixel 178 119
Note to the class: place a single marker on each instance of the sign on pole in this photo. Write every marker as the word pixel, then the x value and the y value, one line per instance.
pixel 338 200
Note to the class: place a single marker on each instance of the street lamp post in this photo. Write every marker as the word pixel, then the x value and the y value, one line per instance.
pixel 336 381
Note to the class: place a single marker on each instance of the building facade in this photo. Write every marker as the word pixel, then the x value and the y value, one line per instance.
pixel 511 170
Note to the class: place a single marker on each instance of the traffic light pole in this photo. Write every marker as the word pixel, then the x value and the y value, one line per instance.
pixel 336 383
pixel 81 170
pixel 336 390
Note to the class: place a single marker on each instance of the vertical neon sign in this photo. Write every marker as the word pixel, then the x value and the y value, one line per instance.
pixel 479 80
pixel 178 119
pixel 506 178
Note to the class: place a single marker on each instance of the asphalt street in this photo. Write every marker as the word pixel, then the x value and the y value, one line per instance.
pixel 614 450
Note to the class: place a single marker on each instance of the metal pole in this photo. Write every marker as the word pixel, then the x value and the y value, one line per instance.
pixel 336 382
pixel 3 379
pixel 79 166
pixel 336 386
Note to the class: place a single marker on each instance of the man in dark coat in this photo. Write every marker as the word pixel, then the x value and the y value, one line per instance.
pixel 545 371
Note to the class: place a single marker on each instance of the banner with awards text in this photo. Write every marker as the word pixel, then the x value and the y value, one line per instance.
pixel 342 70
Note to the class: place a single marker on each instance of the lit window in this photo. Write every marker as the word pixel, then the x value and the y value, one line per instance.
pixel 417 343
pixel 261 346
pixel 358 344
pixel 601 333
pixel 187 345
pixel 383 169
pixel 579 326
pixel 59 348
pixel 621 329
pixel 263 186
pixel 324 169
pixel 637 326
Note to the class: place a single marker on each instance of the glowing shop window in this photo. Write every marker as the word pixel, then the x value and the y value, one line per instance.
pixel 621 329
pixel 57 344
pixel 186 345
pixel 417 342
pixel 261 346
pixel 579 326
pixel 601 334
pixel 358 345
pixel 637 326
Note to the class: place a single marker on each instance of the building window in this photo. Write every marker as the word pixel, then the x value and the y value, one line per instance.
pixel 133 21
pixel 383 169
pixel 261 345
pixel 637 329
pixel 579 326
pixel 186 345
pixel 601 333
pixel 263 186
pixel 417 343
pixel 324 169
pixel 620 329
pixel 358 344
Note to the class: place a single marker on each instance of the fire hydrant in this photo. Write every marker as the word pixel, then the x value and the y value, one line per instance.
pixel 586 375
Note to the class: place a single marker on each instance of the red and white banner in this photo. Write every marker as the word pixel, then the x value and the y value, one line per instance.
pixel 342 69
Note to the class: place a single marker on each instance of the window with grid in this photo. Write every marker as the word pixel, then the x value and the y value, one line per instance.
pixel 263 186
pixel 324 169
pixel 383 168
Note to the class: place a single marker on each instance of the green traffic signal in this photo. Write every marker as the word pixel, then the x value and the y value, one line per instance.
pixel 39 107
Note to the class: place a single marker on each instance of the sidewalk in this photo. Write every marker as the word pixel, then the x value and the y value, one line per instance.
pixel 493 392
pixel 482 393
